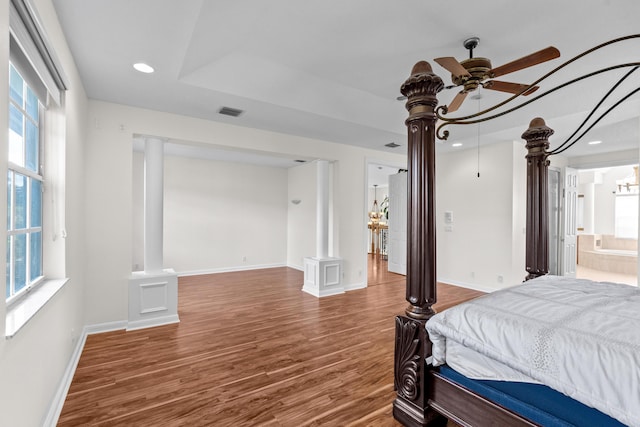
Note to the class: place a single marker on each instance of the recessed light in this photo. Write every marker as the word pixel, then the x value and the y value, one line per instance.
pixel 392 145
pixel 594 142
pixel 143 68
pixel 457 144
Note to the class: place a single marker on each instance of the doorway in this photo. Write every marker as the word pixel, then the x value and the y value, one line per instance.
pixel 607 224
pixel 376 222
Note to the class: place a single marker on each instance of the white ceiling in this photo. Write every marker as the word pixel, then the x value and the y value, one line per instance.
pixel 332 69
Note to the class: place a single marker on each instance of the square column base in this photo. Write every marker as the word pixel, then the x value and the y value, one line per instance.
pixel 323 276
pixel 153 299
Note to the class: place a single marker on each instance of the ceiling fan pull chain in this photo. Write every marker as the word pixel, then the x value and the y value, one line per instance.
pixel 478 154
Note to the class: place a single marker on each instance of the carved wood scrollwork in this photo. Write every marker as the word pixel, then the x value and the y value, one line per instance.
pixel 407 360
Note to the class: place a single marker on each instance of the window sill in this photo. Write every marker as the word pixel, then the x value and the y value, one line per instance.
pixel 19 313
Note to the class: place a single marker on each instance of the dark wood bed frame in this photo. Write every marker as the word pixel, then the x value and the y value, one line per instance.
pixel 424 397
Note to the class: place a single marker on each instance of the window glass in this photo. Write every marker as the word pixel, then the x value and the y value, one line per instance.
pixel 16 85
pixel 36 204
pixel 32 104
pixel 20 202
pixel 20 261
pixel 9 204
pixel 16 136
pixel 9 248
pixel 31 161
pixel 35 255
pixel 626 216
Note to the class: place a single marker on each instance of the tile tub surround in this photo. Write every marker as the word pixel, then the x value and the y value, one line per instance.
pixel 608 253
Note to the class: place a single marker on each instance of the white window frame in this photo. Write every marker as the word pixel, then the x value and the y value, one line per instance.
pixel 29 175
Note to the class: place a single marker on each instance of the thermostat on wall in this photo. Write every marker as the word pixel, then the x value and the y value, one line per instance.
pixel 448 217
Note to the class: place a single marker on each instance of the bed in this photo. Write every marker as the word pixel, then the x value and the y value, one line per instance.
pixel 432 390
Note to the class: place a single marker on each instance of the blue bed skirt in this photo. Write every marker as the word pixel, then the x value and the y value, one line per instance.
pixel 536 402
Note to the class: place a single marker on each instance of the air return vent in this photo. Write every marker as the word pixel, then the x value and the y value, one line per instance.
pixel 228 111
pixel 392 145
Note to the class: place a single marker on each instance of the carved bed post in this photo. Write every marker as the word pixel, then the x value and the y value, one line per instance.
pixel 412 346
pixel 537 258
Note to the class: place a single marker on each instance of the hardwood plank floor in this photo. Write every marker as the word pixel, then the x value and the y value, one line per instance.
pixel 251 349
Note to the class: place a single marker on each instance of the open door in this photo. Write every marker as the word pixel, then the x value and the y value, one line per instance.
pixel 398 223
pixel 570 228
pixel 555 221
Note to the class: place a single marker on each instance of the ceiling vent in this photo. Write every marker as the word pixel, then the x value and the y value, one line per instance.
pixel 392 145
pixel 228 111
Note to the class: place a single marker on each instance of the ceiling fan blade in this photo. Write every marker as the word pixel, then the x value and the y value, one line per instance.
pixel 509 87
pixel 452 65
pixel 456 102
pixel 526 61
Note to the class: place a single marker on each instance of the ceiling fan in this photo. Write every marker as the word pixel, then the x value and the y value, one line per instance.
pixel 474 72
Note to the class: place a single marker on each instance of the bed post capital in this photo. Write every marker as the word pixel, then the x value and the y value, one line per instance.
pixel 537 137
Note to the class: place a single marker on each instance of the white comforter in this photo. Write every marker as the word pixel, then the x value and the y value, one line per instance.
pixel 578 337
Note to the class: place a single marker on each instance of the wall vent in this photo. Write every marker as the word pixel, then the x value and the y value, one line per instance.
pixel 228 111
pixel 392 145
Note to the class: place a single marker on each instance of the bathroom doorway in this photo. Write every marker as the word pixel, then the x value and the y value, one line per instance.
pixel 607 224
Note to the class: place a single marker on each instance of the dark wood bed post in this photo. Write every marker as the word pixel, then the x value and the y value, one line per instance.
pixel 412 346
pixel 537 257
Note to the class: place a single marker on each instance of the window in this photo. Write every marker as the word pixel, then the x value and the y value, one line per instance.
pixel 626 206
pixel 626 220
pixel 36 102
pixel 24 187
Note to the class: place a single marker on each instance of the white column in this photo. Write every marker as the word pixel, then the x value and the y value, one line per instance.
pixel 153 293
pixel 322 273
pixel 322 209
pixel 153 204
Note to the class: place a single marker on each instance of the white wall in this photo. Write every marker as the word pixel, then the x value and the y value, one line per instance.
pixel 232 215
pixel 218 216
pixel 301 227
pixel 32 363
pixel 487 237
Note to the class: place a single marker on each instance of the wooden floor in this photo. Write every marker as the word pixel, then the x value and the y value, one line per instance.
pixel 251 349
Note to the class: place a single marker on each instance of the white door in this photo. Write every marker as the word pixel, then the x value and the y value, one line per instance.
pixel 397 249
pixel 555 222
pixel 570 228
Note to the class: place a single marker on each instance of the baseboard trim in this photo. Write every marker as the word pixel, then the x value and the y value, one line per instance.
pixel 467 285
pixel 99 328
pixel 355 286
pixel 53 414
pixel 229 269
pixel 152 322
pixel 324 293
